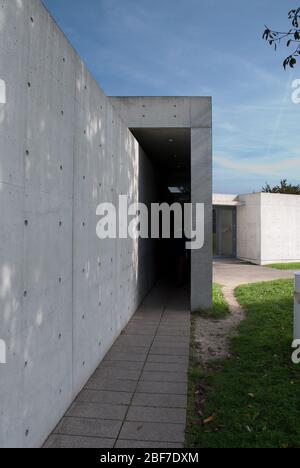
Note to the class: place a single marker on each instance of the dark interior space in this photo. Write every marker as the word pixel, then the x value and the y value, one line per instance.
pixel 169 150
pixel 224 231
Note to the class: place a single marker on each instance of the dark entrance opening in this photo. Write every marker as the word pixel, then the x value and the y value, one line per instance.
pixel 224 231
pixel 169 151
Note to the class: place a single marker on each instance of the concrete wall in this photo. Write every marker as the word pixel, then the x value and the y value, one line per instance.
pixel 268 227
pixel 249 228
pixel 64 294
pixel 280 228
pixel 225 199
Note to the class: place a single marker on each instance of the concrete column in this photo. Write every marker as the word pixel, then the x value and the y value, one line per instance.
pixel 297 307
pixel 201 184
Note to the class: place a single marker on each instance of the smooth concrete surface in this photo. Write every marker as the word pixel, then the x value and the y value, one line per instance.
pixel 194 113
pixel 268 226
pixel 249 228
pixel 64 295
pixel 280 228
pixel 232 273
pixel 220 199
pixel 137 398
pixel 165 112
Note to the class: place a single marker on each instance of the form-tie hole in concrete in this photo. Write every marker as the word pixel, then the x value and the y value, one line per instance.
pixel 29 84
pixel 27 153
pixel 26 222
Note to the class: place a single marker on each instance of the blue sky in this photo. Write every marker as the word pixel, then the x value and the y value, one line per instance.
pixel 200 47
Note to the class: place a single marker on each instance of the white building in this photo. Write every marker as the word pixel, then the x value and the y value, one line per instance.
pixel 261 228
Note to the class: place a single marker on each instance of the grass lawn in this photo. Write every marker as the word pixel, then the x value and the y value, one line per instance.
pixel 253 399
pixel 285 266
pixel 220 307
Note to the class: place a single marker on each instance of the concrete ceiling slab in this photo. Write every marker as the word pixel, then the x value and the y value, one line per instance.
pixel 168 148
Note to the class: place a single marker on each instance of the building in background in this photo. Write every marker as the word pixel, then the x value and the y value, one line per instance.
pixel 261 228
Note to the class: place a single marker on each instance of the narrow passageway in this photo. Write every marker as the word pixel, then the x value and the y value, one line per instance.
pixel 138 395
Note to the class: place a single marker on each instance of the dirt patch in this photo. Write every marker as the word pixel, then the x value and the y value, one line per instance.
pixel 212 336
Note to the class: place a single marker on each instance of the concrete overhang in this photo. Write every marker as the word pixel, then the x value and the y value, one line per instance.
pixel 164 112
pixel 226 200
pixel 163 125
pixel 176 135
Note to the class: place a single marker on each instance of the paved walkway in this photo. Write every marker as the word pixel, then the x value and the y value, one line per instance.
pixel 231 273
pixel 138 395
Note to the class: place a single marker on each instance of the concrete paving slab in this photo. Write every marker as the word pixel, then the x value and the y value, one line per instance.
pixel 77 442
pixel 134 330
pixel 169 331
pixel 146 444
pixel 122 348
pixel 175 350
pixel 154 432
pixel 116 356
pixel 111 384
pixel 121 365
pixel 163 367
pixel 164 377
pixel 176 333
pixel 167 358
pixel 89 427
pixel 105 397
pixel 159 400
pixel 160 415
pixel 97 411
pixel 111 372
pixel 135 340
pixel 170 341
pixel 171 388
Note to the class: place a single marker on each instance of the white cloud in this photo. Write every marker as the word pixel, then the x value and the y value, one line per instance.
pixel 273 168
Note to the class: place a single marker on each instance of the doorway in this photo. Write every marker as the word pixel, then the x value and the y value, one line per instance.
pixel 224 231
